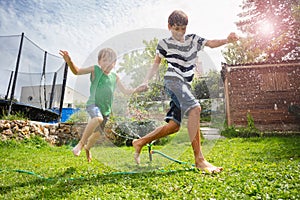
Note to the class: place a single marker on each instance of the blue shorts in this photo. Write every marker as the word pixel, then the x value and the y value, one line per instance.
pixel 94 111
pixel 173 114
pixel 182 99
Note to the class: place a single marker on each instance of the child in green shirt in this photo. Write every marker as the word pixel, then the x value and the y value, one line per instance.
pixel 99 104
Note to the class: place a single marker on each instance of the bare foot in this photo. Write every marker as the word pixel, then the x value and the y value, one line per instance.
pixel 88 154
pixel 207 167
pixel 77 149
pixel 137 151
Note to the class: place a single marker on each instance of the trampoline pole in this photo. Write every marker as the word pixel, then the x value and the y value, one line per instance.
pixel 16 74
pixel 52 90
pixel 63 90
pixel 9 84
pixel 44 75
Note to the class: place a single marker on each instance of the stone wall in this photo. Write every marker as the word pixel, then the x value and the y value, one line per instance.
pixel 56 134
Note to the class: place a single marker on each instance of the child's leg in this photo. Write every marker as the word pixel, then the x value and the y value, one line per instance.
pixel 159 132
pixel 194 134
pixel 91 141
pixel 89 129
pixel 94 138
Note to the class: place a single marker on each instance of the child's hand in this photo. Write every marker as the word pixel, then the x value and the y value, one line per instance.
pixel 65 56
pixel 232 37
pixel 141 88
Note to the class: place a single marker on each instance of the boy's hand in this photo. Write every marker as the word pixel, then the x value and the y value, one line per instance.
pixel 232 37
pixel 65 56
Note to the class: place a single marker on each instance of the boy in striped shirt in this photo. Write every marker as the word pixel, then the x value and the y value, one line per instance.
pixel 180 51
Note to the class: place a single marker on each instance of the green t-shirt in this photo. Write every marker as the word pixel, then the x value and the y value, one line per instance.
pixel 102 90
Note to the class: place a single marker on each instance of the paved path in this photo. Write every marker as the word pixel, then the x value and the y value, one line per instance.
pixel 210 133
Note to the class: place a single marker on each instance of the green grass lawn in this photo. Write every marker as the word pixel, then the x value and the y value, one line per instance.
pixel 254 168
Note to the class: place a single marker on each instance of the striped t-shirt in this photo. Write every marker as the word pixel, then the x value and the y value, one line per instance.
pixel 181 56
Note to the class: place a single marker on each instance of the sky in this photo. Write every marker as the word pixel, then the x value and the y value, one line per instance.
pixel 82 26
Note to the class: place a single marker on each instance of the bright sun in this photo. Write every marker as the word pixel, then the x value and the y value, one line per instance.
pixel 266 28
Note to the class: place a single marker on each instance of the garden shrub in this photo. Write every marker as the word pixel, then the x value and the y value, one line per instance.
pixel 249 131
pixel 79 117
pixel 123 131
pixel 15 116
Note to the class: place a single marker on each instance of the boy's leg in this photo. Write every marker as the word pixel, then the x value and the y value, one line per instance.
pixel 94 138
pixel 173 118
pixel 89 129
pixel 162 131
pixel 194 134
pixel 90 143
pixel 182 95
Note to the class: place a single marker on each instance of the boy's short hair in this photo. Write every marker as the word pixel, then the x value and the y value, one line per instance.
pixel 178 18
pixel 108 53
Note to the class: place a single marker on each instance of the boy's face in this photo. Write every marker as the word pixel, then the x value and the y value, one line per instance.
pixel 178 32
pixel 106 65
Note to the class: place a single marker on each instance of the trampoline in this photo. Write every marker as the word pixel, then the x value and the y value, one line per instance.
pixel 33 80
pixel 28 111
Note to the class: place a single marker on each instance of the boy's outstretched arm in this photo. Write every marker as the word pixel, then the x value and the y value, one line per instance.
pixel 74 68
pixel 144 86
pixel 153 70
pixel 232 37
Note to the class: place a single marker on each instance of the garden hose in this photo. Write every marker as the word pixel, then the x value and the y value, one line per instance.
pixel 170 158
pixel 37 175
pixel 112 173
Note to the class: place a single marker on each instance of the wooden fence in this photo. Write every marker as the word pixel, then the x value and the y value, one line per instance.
pixel 270 93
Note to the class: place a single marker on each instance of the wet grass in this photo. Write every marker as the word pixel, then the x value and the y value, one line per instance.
pixel 254 168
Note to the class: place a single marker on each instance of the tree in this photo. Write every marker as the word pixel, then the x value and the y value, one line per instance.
pixel 200 89
pixel 273 32
pixel 136 65
pixel 243 52
pixel 209 86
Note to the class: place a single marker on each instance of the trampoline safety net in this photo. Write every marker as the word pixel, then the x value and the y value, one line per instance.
pixel 32 80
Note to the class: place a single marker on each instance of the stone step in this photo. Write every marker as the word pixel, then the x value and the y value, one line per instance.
pixel 210 133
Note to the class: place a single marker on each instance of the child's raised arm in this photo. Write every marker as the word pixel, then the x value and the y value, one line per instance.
pixel 232 37
pixel 153 69
pixel 74 68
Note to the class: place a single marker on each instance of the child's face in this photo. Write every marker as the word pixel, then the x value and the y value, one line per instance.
pixel 106 65
pixel 178 32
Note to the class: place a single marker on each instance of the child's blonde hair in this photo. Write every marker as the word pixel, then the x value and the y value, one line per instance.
pixel 178 18
pixel 107 53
